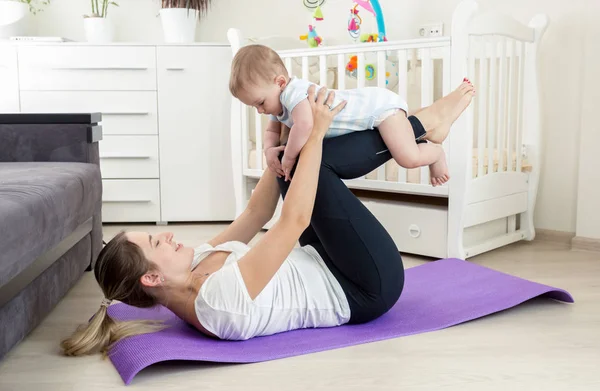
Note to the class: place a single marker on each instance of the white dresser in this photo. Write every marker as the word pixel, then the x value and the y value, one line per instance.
pixel 165 154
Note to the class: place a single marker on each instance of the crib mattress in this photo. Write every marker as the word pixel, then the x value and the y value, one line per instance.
pixel 414 175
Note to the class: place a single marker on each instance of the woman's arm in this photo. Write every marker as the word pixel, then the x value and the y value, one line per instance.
pixel 258 212
pixel 261 263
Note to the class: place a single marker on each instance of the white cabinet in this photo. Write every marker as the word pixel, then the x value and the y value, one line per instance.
pixel 123 112
pixel 193 99
pixel 79 67
pixel 130 200
pixel 9 80
pixel 165 154
pixel 127 157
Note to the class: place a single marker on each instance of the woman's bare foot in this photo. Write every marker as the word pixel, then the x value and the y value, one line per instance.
pixel 439 117
pixel 438 171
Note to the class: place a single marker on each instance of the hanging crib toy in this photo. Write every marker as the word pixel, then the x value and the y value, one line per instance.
pixel 355 21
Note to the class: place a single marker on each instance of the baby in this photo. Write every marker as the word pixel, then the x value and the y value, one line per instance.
pixel 259 79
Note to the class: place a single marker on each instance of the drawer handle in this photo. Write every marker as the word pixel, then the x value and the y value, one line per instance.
pixel 124 157
pixel 100 68
pixel 414 231
pixel 126 201
pixel 125 113
pixel 175 69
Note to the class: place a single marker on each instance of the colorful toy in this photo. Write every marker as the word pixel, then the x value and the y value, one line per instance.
pixel 354 21
pixel 368 37
pixel 318 14
pixel 352 66
pixel 312 37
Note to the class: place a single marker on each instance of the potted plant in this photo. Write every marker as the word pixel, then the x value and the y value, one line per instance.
pixel 14 16
pixel 179 19
pixel 99 28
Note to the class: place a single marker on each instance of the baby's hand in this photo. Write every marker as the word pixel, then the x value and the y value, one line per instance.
pixel 287 164
pixel 272 155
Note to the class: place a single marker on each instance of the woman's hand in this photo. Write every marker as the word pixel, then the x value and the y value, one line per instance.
pixel 322 111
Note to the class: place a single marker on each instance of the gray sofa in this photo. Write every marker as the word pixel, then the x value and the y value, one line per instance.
pixel 50 214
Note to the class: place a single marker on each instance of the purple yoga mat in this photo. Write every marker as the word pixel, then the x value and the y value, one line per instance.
pixel 437 295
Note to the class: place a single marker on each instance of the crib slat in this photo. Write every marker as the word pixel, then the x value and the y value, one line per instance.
pixel 492 128
pixel 381 173
pixel 259 143
pixel 402 174
pixel 446 85
pixel 471 118
pixel 414 58
pixel 519 133
pixel 305 67
pixel 426 78
pixel 426 95
pixel 361 69
pixel 481 97
pixel 323 70
pixel 403 92
pixel 245 135
pixel 381 70
pixel 288 65
pixel 516 80
pixel 341 72
pixel 513 129
pixel 510 104
pixel 403 74
pixel 501 105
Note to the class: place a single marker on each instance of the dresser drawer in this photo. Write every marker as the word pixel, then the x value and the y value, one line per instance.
pixel 132 157
pixel 130 201
pixel 416 228
pixel 123 112
pixel 71 67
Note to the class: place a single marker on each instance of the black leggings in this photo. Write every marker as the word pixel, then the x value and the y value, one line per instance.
pixel 354 245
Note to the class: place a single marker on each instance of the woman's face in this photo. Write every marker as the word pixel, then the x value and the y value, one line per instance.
pixel 172 259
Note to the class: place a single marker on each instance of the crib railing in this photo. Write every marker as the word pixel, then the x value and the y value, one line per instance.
pixel 497 66
pixel 501 61
pixel 418 70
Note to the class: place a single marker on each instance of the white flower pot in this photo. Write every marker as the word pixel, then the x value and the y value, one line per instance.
pixel 179 24
pixel 14 19
pixel 98 30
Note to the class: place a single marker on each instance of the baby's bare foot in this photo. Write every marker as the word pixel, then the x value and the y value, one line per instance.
pixel 438 171
pixel 439 117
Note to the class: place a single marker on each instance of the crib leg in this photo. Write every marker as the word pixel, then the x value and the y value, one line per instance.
pixel 527 225
pixel 456 247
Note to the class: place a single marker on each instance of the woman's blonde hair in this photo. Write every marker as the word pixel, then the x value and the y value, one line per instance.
pixel 118 270
pixel 252 65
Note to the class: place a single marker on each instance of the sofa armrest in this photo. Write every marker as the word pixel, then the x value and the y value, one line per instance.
pixel 50 137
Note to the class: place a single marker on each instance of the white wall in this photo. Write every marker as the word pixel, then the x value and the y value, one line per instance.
pixel 588 205
pixel 561 52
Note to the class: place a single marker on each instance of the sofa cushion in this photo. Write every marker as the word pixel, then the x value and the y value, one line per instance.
pixel 40 205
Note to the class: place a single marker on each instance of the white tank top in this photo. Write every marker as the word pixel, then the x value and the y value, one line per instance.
pixel 302 294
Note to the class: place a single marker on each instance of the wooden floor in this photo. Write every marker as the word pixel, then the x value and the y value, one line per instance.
pixel 540 345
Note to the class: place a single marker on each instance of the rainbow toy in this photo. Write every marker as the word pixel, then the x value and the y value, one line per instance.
pixel 355 21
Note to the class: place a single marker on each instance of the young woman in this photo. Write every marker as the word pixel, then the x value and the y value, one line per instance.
pixel 347 270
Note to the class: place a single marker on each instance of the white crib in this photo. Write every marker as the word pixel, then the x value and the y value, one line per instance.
pixel 493 149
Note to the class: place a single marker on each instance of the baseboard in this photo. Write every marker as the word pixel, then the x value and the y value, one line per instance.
pixel 548 235
pixel 586 244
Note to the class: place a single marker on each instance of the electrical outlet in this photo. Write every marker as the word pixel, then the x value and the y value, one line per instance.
pixel 432 30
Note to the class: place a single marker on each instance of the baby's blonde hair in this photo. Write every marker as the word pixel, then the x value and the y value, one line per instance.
pixel 254 64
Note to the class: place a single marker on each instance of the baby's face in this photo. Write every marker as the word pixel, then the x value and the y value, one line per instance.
pixel 264 97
